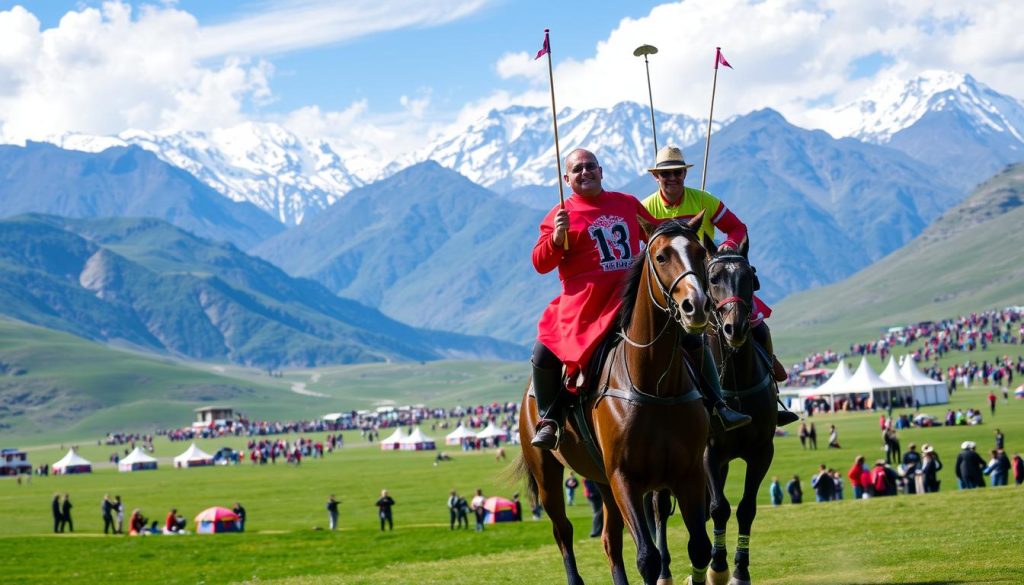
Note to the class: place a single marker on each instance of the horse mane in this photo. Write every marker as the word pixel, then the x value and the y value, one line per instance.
pixel 631 286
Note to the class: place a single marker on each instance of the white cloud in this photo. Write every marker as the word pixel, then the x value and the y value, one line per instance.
pixel 298 24
pixel 104 70
pixel 791 55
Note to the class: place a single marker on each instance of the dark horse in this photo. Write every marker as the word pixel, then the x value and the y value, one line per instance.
pixel 647 420
pixel 748 386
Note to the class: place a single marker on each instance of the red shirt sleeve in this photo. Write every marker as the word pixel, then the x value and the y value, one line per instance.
pixel 734 229
pixel 642 211
pixel 546 255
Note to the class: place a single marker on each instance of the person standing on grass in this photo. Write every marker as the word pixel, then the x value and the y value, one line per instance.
pixel 969 467
pixel 803 435
pixel 462 519
pixel 856 476
pixel 240 512
pixel 911 463
pixel 812 436
pixel 119 514
pixel 453 509
pixel 384 505
pixel 992 401
pixel 571 483
pixel 332 511
pixel 107 507
pixel 477 504
pixel 824 487
pixel 1018 468
pixel 1000 439
pixel 65 514
pixel 930 468
pixel 796 493
pixel 58 517
pixel 775 492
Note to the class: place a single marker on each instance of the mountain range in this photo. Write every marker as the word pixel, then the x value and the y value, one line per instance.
pixel 145 284
pixel 444 243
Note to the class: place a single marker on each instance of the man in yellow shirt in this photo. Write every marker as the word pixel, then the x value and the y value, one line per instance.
pixel 674 199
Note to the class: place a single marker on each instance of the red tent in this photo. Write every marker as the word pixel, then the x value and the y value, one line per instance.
pixel 499 510
pixel 216 520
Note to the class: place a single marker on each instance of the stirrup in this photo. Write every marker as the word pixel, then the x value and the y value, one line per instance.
pixel 786 417
pixel 548 435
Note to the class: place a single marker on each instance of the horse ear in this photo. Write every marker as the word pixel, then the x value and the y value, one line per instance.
pixel 745 246
pixel 710 245
pixel 694 223
pixel 646 226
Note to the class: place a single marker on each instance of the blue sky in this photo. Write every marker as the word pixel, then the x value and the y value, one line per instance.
pixel 388 75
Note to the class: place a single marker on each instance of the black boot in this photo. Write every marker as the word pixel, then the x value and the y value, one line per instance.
pixel 547 387
pixel 785 417
pixel 712 390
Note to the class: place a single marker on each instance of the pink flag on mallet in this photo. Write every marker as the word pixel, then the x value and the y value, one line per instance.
pixel 719 57
pixel 546 48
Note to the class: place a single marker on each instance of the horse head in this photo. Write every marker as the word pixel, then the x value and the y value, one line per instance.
pixel 675 262
pixel 731 285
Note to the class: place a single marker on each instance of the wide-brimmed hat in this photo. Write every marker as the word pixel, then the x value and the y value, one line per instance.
pixel 967 445
pixel 670 157
pixel 927 448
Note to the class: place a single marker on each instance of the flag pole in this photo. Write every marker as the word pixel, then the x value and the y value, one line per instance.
pixel 649 50
pixel 711 114
pixel 554 122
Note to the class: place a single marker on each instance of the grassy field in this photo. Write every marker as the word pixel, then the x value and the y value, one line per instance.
pixel 950 537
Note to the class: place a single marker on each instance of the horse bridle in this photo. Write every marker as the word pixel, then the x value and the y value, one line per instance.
pixel 671 307
pixel 736 301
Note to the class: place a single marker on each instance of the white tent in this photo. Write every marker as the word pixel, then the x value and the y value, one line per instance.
pixel 865 380
pixel 417 441
pixel 72 463
pixel 193 457
pixel 492 432
pixel 136 460
pixel 458 435
pixel 926 390
pixel 394 441
pixel 836 384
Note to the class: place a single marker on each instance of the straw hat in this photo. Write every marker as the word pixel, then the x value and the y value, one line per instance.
pixel 670 157
pixel 927 448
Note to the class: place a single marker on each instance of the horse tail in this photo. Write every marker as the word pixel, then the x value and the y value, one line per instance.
pixel 519 471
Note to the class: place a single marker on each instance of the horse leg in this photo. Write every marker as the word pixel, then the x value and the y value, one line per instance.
pixel 630 503
pixel 718 472
pixel 757 467
pixel 611 536
pixel 548 472
pixel 691 494
pixel 662 508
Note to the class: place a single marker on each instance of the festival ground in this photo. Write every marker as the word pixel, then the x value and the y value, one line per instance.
pixel 950 537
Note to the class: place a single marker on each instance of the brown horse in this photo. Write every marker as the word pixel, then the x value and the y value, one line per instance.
pixel 648 423
pixel 748 386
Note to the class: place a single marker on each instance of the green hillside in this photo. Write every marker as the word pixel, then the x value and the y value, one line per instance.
pixel 969 260
pixel 55 387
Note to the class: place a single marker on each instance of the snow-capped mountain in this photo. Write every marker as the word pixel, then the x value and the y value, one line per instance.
pixel 288 177
pixel 894 105
pixel 514 147
pixel 962 127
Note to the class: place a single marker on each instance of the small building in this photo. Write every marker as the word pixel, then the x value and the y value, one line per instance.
pixel 14 462
pixel 214 416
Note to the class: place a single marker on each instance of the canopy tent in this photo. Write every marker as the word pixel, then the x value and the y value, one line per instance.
pixel 794 397
pixel 193 457
pixel 72 463
pixel 137 460
pixel 417 441
pixel 499 510
pixel 216 520
pixel 898 383
pixel 394 441
pixel 458 435
pixel 492 434
pixel 333 417
pixel 926 390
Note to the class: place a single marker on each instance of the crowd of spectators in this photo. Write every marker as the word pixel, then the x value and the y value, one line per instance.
pixel 933 340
